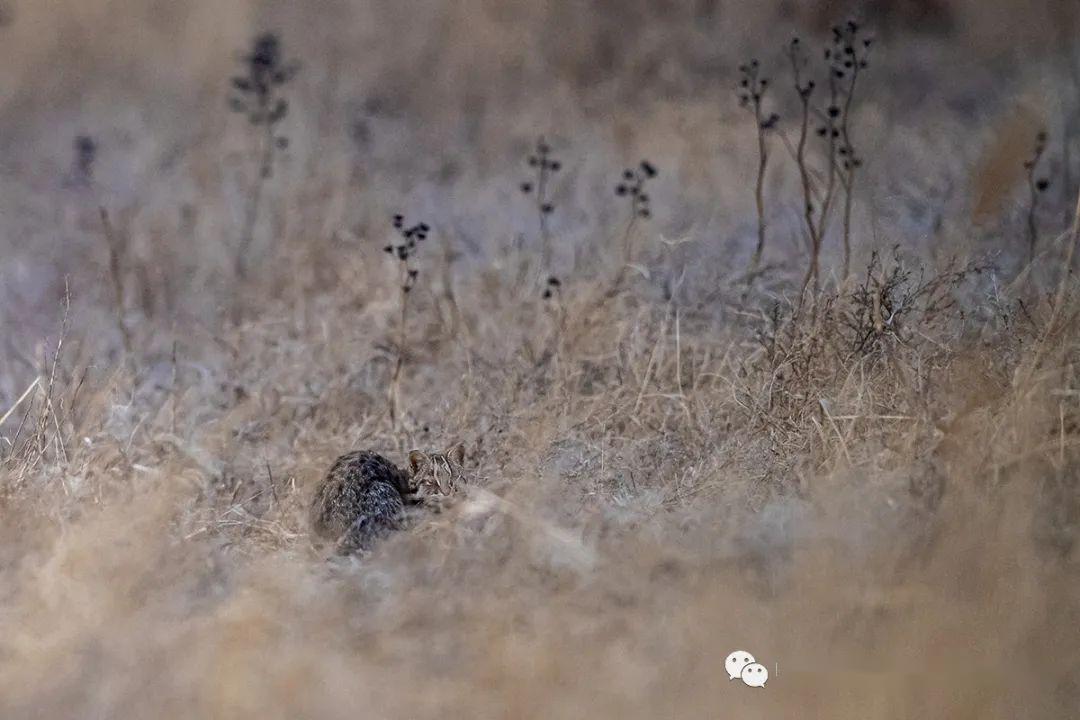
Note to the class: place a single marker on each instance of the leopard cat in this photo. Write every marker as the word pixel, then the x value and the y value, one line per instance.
pixel 363 496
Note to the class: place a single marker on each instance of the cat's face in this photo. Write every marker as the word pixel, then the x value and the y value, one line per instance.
pixel 437 473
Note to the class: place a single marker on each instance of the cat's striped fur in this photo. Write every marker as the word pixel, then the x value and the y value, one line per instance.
pixel 363 496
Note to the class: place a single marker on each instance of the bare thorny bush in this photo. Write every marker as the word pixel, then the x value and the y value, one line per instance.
pixel 890 331
pixel 897 304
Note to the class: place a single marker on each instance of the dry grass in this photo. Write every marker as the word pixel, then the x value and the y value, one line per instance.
pixel 879 499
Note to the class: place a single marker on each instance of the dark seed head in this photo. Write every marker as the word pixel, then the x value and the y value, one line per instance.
pixel 266 52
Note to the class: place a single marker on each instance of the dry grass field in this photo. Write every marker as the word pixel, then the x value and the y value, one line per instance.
pixel 873 487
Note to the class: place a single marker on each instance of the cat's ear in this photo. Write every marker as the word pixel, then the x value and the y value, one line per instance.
pixel 416 461
pixel 457 454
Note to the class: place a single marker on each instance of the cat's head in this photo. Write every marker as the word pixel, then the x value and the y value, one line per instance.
pixel 437 473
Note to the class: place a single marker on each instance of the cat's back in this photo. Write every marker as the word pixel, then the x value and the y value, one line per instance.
pixel 353 482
